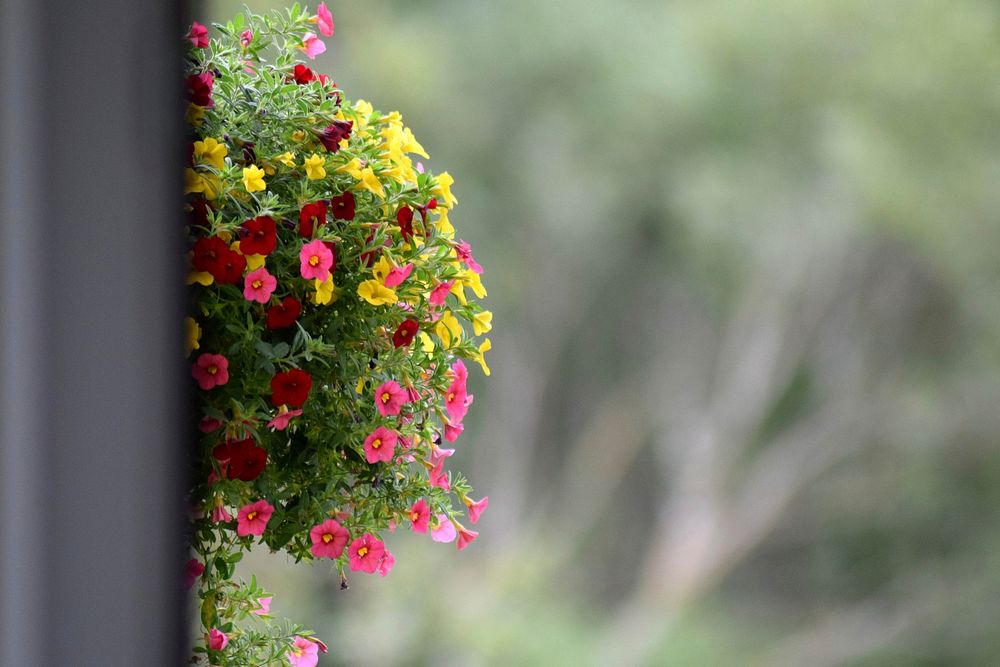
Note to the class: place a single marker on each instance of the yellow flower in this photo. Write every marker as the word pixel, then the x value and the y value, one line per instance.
pixel 192 334
pixel 195 115
pixel 482 322
pixel 213 152
pixel 326 292
pixel 353 168
pixel 485 347
pixel 253 178
pixel 362 112
pixel 376 293
pixel 368 181
pixel 444 226
pixel 448 329
pixel 426 343
pixel 359 388
pixel 299 135
pixel 203 278
pixel 254 262
pixel 287 158
pixel 471 279
pixel 208 184
pixel 443 188
pixel 314 167
pixel 458 289
pixel 411 145
pixel 381 269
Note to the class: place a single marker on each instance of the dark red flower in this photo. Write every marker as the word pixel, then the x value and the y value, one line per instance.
pixel 198 35
pixel 311 217
pixel 259 236
pixel 284 314
pixel 208 253
pixel 198 217
pixel 241 459
pixel 230 268
pixel 303 74
pixel 290 387
pixel 199 89
pixel 332 247
pixel 368 258
pixel 404 218
pixel 334 133
pixel 405 333
pixel 342 207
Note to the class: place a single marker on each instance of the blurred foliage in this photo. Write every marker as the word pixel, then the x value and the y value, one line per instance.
pixel 742 257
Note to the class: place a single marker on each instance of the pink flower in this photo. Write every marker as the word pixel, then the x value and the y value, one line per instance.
pixel 329 539
pixel 208 424
pixel 397 275
pixel 219 513
pixel 440 293
pixel 389 398
pixel 464 252
pixel 315 260
pixel 265 606
pixel 312 45
pixel 246 37
pixel 192 571
pixel 380 445
pixel 443 530
pixel 465 536
pixel 325 20
pixel 217 640
pixel 455 403
pixel 386 563
pixel 476 508
pixel 437 476
pixel 304 653
pixel 211 370
pixel 420 515
pixel 198 35
pixel 280 421
pixel 366 553
pixel 258 285
pixel 252 519
pixel 451 432
pixel 460 372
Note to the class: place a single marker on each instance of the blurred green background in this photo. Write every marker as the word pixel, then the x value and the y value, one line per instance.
pixel 743 261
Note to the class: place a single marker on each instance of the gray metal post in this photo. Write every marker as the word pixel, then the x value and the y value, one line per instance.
pixel 91 373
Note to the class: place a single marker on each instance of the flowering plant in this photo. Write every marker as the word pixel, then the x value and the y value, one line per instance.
pixel 332 308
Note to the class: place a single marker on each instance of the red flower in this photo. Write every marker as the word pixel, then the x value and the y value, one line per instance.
pixel 368 258
pixel 199 213
pixel 290 387
pixel 198 35
pixel 284 314
pixel 342 207
pixel 405 333
pixel 260 236
pixel 404 218
pixel 241 459
pixel 303 74
pixel 310 217
pixel 332 247
pixel 208 252
pixel 199 89
pixel 230 268
pixel 335 133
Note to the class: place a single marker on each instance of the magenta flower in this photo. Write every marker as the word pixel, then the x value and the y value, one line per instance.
pixel 246 37
pixel 252 519
pixel 192 571
pixel 324 20
pixel 217 640
pixel 437 475
pixel 304 653
pixel 280 422
pixel 420 515
pixel 312 45
pixel 220 515
pixel 443 530
pixel 365 553
pixel 386 563
pixel 464 252
pixel 476 508
pixel 389 398
pixel 465 536
pixel 455 401
pixel 397 275
pixel 315 260
pixel 328 539
pixel 259 285
pixel 380 445
pixel 265 606
pixel 440 293
pixel 210 370
pixel 460 372
pixel 208 424
pixel 198 35
pixel 452 431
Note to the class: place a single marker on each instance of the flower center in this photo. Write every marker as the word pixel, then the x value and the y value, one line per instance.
pixel 257 283
pixel 414 516
pixel 376 443
pixel 212 370
pixel 385 397
pixel 314 260
pixel 362 551
pixel 451 396
pixel 250 517
pixel 327 538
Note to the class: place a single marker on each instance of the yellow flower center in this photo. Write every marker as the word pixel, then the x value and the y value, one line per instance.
pixel 376 443
pixel 414 516
pixel 385 397
pixel 451 396
pixel 212 370
pixel 314 260
pixel 362 551
pixel 251 516
pixel 257 283
pixel 327 538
